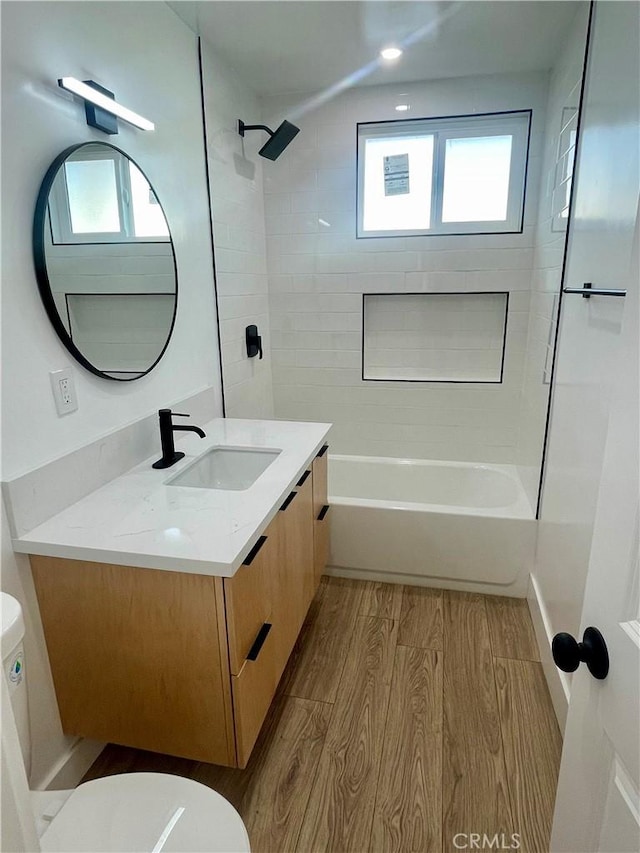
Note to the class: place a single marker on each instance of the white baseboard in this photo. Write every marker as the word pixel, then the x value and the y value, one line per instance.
pixel 72 765
pixel 558 682
pixel 515 590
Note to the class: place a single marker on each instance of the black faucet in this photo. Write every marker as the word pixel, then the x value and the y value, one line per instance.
pixel 169 454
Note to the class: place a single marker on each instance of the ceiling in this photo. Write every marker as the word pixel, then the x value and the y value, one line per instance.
pixel 279 46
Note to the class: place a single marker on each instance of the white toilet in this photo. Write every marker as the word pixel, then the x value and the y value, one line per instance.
pixel 150 812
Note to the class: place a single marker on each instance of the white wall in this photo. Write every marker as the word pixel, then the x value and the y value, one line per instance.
pixel 564 94
pixel 144 53
pixel 148 57
pixel 318 272
pixel 236 179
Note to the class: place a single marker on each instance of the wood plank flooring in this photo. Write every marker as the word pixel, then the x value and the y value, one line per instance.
pixel 408 812
pixel 474 782
pixel 405 716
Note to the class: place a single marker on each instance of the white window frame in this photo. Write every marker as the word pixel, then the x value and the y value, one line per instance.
pixel 60 213
pixel 62 233
pixel 515 123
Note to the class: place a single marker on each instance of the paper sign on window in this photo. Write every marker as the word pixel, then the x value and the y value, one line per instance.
pixel 396 174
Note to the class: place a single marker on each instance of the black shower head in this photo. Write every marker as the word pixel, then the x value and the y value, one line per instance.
pixel 278 139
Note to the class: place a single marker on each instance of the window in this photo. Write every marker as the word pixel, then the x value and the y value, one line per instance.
pixel 460 175
pixel 102 197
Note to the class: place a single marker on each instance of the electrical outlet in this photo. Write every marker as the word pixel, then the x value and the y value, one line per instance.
pixel 64 391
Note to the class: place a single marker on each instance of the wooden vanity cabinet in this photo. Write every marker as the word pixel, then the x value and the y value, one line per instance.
pixel 138 656
pixel 182 663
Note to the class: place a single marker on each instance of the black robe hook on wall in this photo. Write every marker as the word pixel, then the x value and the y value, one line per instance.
pixel 254 341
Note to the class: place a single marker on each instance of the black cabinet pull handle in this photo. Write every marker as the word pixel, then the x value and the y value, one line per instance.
pixel 258 643
pixel 288 500
pixel 252 553
pixel 302 479
pixel 323 512
pixel 322 451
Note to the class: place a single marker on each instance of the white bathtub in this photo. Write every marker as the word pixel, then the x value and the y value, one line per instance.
pixel 445 524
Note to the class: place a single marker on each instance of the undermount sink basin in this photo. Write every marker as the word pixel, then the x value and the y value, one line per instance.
pixel 231 468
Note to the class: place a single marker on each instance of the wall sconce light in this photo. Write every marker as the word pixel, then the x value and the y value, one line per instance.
pixel 101 108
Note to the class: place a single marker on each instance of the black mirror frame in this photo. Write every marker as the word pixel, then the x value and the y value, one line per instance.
pixel 42 277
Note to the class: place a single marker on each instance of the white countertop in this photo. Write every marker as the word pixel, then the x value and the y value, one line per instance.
pixel 137 520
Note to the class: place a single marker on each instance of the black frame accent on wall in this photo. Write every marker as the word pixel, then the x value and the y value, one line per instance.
pixel 442 118
pixel 504 293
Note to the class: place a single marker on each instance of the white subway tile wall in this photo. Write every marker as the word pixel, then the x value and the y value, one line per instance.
pixel 564 94
pixel 318 272
pixel 237 201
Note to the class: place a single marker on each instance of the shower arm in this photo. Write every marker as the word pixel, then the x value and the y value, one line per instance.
pixel 242 127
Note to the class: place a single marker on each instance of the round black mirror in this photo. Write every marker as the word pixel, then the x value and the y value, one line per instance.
pixel 104 260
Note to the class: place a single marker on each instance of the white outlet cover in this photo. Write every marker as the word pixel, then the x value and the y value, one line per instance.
pixel 64 390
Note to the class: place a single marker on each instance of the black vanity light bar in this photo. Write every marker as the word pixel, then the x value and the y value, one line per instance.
pixel 88 93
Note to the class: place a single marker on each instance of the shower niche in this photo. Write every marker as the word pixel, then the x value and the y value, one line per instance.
pixel 434 337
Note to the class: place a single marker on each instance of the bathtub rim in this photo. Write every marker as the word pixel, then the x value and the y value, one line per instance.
pixel 521 509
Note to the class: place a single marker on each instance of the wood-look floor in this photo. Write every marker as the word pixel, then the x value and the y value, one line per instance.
pixel 405 716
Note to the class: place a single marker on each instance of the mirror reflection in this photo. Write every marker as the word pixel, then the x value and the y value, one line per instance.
pixel 105 261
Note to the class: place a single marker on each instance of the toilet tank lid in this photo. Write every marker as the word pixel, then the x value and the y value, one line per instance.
pixel 12 624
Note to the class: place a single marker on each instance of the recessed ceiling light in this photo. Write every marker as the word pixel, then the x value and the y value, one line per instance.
pixel 390 53
pixel 402 108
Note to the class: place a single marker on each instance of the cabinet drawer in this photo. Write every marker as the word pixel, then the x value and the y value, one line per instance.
pixel 253 689
pixel 248 598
